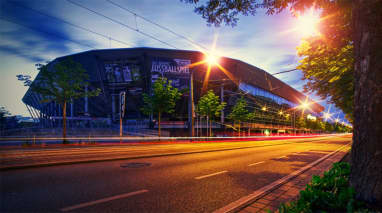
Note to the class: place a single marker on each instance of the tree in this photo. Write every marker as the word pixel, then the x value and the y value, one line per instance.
pixel 365 33
pixel 61 82
pixel 162 100
pixel 239 112
pixel 3 119
pixel 301 122
pixel 209 105
pixel 328 62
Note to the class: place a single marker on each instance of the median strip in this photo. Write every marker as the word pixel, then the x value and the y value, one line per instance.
pixel 104 200
pixel 213 174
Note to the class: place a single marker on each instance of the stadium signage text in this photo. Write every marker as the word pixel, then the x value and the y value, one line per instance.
pixel 180 67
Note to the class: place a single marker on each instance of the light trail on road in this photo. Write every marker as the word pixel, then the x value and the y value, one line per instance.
pixel 194 182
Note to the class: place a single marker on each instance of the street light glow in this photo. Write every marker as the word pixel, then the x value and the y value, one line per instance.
pixel 212 59
pixel 264 108
pixel 280 112
pixel 327 115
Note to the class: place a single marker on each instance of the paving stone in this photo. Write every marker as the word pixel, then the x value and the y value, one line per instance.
pixel 270 197
pixel 290 194
pixel 290 191
pixel 251 209
pixel 264 201
pixel 260 205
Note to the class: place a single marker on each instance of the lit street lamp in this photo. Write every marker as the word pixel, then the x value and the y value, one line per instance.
pixel 211 60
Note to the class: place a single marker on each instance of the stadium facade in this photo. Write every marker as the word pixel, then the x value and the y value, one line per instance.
pixel 133 70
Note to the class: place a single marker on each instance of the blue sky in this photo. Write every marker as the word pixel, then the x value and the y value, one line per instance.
pixel 27 37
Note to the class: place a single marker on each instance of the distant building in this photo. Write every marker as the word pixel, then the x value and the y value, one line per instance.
pixel 133 70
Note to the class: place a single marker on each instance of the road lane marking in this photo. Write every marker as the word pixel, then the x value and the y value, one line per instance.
pixel 104 200
pixel 252 164
pixel 284 156
pixel 244 201
pixel 213 174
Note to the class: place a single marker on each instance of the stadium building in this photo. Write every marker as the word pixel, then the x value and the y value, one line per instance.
pixel 133 70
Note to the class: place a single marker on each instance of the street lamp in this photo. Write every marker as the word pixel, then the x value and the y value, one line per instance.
pixel 212 60
pixel 304 105
pixel 327 116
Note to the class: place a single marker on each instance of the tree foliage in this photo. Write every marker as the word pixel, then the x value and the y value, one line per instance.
pixel 3 120
pixel 239 111
pixel 162 99
pixel 210 105
pixel 64 81
pixel 61 82
pixel 218 12
pixel 328 59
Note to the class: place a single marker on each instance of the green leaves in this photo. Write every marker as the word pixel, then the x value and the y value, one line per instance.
pixel 329 71
pixel 239 112
pixel 209 105
pixel 162 99
pixel 329 193
pixel 62 82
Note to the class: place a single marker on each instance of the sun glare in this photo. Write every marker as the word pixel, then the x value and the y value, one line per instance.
pixel 212 59
pixel 307 23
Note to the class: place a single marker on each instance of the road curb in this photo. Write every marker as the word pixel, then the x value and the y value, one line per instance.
pixel 246 200
pixel 57 163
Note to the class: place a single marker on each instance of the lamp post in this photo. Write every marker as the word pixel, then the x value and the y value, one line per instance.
pixel 191 111
pixel 212 60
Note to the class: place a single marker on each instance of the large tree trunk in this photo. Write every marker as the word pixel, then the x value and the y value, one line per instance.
pixel 64 122
pixel 366 154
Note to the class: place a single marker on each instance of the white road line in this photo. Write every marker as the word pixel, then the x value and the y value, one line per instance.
pixel 82 205
pixel 252 164
pixel 238 204
pixel 213 174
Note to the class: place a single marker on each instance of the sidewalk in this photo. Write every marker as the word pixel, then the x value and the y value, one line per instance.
pixel 290 190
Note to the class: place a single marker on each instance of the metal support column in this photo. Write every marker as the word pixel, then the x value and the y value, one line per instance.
pixel 191 111
pixel 222 100
pixel 86 100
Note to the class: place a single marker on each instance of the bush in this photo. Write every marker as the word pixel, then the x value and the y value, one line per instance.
pixel 329 193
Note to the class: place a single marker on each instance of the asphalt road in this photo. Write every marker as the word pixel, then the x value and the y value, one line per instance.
pixel 200 182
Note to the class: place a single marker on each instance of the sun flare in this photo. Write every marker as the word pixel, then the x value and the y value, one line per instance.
pixel 307 23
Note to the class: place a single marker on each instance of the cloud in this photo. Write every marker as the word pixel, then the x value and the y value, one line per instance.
pixel 286 60
pixel 22 54
pixel 33 36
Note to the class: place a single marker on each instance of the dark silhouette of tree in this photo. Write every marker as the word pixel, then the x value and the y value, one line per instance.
pixel 60 82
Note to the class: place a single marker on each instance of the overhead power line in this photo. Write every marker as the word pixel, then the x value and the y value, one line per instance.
pixel 158 25
pixel 285 71
pixel 120 23
pixel 71 24
pixel 42 31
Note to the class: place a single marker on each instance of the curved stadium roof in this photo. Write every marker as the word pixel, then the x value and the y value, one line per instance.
pixel 240 71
